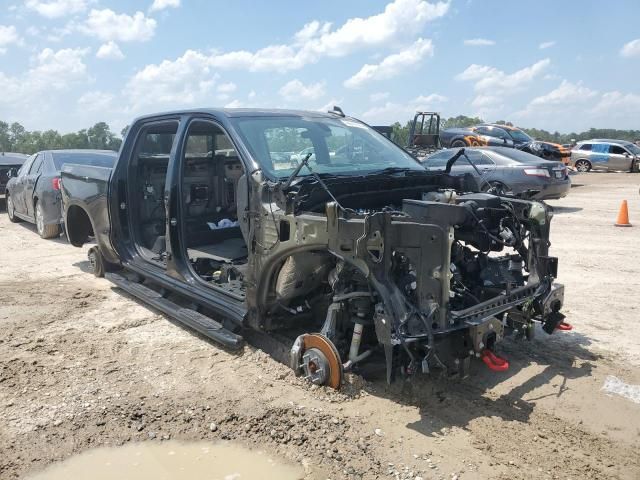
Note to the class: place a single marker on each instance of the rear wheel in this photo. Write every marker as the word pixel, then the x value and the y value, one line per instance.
pixel 11 210
pixel 583 166
pixel 45 231
pixel 458 144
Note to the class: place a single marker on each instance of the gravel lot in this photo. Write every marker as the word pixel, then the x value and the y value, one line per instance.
pixel 84 365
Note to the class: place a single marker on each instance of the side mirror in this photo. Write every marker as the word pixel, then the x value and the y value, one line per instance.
pixel 504 140
pixel 11 173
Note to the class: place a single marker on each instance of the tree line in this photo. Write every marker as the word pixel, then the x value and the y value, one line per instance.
pixel 15 138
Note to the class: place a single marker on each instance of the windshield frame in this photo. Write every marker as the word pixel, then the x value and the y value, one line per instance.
pixel 409 162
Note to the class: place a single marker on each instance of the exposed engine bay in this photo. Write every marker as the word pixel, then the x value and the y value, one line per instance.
pixel 430 279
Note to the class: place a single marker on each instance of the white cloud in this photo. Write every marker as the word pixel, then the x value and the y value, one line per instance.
pixel 487 102
pixel 162 4
pixel 234 104
pixel 490 78
pixel 8 36
pixel 631 49
pixel 252 94
pixel 96 101
pixel 400 19
pixel 566 94
pixel 56 8
pixel 545 45
pixel 109 25
pixel 581 107
pixel 400 112
pixel 392 65
pixel 479 42
pixel 52 71
pixel 295 90
pixel 110 51
pixel 618 104
pixel 185 81
pixel 59 69
pixel 228 87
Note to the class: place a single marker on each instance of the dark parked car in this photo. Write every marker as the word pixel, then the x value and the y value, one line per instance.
pixel 494 135
pixel 9 162
pixel 508 171
pixel 33 193
pixel 355 255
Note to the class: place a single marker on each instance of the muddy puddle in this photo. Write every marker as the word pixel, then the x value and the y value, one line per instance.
pixel 171 461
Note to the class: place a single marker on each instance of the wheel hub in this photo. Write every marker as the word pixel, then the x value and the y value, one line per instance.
pixel 315 356
pixel 315 366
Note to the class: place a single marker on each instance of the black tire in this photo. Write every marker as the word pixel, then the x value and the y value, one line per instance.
pixel 459 144
pixel 45 231
pixel 583 166
pixel 96 262
pixel 11 209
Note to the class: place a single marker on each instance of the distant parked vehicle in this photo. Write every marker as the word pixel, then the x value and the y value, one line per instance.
pixel 33 192
pixel 9 162
pixel 502 136
pixel 507 171
pixel 606 154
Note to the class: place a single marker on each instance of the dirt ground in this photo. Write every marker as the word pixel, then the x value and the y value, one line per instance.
pixel 83 365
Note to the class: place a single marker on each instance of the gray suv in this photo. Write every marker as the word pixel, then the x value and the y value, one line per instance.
pixel 605 154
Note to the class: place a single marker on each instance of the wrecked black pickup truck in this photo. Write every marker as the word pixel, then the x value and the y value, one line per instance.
pixel 317 239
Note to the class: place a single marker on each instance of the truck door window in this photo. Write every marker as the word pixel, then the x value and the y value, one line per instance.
pixel 211 228
pixel 149 168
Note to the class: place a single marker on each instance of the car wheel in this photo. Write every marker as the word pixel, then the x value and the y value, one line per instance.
pixel 96 262
pixel 583 166
pixel 11 210
pixel 458 144
pixel 45 231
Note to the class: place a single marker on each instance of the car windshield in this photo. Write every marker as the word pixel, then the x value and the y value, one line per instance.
pixel 633 148
pixel 93 159
pixel 337 146
pixel 520 136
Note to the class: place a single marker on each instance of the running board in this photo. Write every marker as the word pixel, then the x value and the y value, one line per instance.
pixel 201 323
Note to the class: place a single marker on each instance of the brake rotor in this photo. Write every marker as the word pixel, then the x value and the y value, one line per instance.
pixel 321 360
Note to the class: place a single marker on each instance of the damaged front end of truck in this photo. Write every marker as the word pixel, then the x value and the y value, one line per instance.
pixel 410 270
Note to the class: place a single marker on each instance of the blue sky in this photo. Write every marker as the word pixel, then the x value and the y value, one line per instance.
pixel 558 65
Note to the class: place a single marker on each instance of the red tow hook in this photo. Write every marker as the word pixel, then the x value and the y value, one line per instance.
pixel 564 326
pixel 493 361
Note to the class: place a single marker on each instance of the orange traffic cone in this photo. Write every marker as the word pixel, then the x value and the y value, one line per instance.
pixel 623 216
